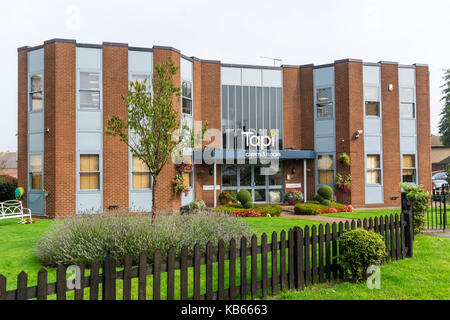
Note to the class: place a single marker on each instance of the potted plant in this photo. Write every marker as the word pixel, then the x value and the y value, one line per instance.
pixel 293 196
pixel 344 158
pixel 343 183
pixel 225 197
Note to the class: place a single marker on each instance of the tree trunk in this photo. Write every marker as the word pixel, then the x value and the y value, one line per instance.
pixel 153 198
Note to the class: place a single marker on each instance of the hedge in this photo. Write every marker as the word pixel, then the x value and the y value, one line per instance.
pixel 311 207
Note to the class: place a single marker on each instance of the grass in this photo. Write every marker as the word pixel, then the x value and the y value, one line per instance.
pixel 426 276
pixel 363 214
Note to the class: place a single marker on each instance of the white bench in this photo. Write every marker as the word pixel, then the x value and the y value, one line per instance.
pixel 13 209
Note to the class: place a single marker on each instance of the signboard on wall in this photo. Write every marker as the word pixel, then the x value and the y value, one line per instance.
pixel 210 188
pixel 293 185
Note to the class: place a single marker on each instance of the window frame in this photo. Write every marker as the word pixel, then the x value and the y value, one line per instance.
pixel 31 92
pixel 139 171
pixel 99 90
pixel 191 99
pixel 410 168
pixel 372 101
pixel 99 171
pixel 30 172
pixel 333 169
pixel 379 169
pixel 405 101
pixel 329 101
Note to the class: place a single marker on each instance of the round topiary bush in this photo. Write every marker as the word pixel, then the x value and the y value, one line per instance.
pixel 360 249
pixel 318 198
pixel 248 205
pixel 325 192
pixel 244 197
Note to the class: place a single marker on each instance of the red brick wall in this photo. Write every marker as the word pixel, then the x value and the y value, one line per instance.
pixel 423 126
pixel 166 200
pixel 391 133
pixel 350 118
pixel 307 108
pixel 292 113
pixel 59 143
pixel 115 152
pixel 22 117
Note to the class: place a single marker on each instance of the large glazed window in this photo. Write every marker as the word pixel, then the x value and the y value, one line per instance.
pixel 36 171
pixel 409 168
pixel 326 169
pixel 141 174
pixel 36 92
pixel 324 106
pixel 407 105
pixel 229 176
pixel 89 172
pixel 373 174
pixel 89 90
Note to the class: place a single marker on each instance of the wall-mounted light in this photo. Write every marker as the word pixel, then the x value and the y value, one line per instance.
pixel 358 134
pixel 211 172
pixel 293 170
pixel 47 130
pixel 391 87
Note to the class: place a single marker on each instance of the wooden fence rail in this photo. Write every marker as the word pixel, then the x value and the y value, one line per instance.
pixel 255 268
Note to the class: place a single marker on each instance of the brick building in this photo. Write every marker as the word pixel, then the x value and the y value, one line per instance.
pixel 377 113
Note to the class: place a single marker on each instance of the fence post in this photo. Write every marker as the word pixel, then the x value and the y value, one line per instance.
pixel 408 229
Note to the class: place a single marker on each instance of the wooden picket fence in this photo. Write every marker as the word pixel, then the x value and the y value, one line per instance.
pixel 299 258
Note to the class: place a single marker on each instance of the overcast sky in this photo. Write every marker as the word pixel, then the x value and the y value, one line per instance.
pixel 299 32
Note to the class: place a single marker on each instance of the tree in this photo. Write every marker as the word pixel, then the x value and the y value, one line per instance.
pixel 444 123
pixel 150 131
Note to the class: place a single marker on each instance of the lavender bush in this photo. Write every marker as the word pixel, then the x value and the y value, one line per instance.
pixel 88 238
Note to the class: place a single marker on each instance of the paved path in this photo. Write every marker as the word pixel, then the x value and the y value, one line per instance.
pixel 437 233
pixel 288 212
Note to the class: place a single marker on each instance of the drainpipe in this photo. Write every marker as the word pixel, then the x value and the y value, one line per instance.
pixel 215 176
pixel 304 179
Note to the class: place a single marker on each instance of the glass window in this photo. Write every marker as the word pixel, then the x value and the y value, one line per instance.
pixel 324 95
pixel 371 94
pixel 275 195
pixel 372 101
pixel 276 179
pixel 140 174
pixel 372 109
pixel 36 171
pixel 373 174
pixel 245 175
pixel 407 95
pixel 407 111
pixel 325 110
pixel 260 195
pixel 186 97
pixel 229 176
pixel 36 96
pixel 409 168
pixel 141 78
pixel 89 90
pixel 260 180
pixel 326 169
pixel 89 172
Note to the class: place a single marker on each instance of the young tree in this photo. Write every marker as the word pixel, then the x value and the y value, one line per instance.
pixel 444 123
pixel 152 121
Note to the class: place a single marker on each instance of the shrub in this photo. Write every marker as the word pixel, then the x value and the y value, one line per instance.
pixel 314 207
pixel 244 197
pixel 420 200
pixel 325 192
pixel 7 189
pixel 248 205
pixel 262 209
pixel 360 249
pixel 197 206
pixel 91 237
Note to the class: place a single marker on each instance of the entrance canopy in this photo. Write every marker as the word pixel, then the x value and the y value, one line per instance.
pixel 252 154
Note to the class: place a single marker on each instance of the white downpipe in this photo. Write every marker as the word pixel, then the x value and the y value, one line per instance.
pixel 304 179
pixel 215 187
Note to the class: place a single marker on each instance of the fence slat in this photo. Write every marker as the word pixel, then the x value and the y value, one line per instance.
pixel 365 223
pixel 307 260
pixel 254 266
pixel 221 271
pixel 157 275
pixel 60 282
pixel 376 225
pixel 386 236
pixel 392 234
pixel 328 252
pixel 3 287
pixel 109 278
pixel 291 274
pixel 335 248
pixel 321 243
pixel 274 263
pixel 127 264
pixel 402 230
pixel 79 292
pixel 370 223
pixel 353 225
pixel 209 272
pixel 314 253
pixel 243 266
pixel 197 270
pixel 232 269
pixel 142 282
pixel 397 236
pixel 41 285
pixel 358 224
pixel 283 260
pixel 94 280
pixel 340 232
pixel 299 255
pixel 264 265
pixel 171 274
pixel 184 274
pixel 22 281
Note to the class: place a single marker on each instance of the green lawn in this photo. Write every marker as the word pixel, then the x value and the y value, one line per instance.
pixel 426 276
pixel 364 214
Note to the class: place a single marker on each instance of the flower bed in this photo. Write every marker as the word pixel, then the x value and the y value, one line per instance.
pixel 315 208
pixel 259 210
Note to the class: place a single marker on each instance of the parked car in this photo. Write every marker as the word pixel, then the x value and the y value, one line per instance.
pixel 438 180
